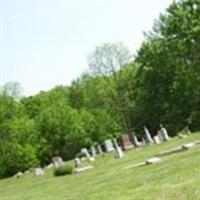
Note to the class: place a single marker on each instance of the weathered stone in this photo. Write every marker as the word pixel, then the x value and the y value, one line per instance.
pixel 156 139
pixel 39 172
pixel 153 160
pixel 136 142
pixel 49 166
pixel 77 162
pixel 18 174
pixel 163 133
pixel 93 151
pixel 148 135
pixel 108 145
pixel 115 143
pixel 126 142
pixel 99 149
pixel 57 161
pixel 83 168
pixel 187 146
pixel 119 152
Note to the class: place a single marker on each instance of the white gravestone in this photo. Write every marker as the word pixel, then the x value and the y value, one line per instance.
pixel 136 142
pixel 162 133
pixel 160 136
pixel 77 162
pixel 18 174
pixel 143 141
pixel 85 151
pixel 165 134
pixel 93 151
pixel 99 149
pixel 119 152
pixel 115 143
pixel 148 135
pixel 108 145
pixel 156 139
pixel 39 172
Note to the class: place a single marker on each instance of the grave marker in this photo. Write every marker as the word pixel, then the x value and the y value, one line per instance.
pixel 148 135
pixel 126 142
pixel 108 145
pixel 57 161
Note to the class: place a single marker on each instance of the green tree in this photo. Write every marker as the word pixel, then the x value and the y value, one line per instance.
pixel 168 79
pixel 107 61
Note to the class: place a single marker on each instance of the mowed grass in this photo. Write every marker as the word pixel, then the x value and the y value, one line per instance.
pixel 176 177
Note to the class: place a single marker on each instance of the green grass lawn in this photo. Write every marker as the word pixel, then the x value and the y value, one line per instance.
pixel 176 177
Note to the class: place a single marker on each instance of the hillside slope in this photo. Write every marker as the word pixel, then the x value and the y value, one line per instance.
pixel 176 177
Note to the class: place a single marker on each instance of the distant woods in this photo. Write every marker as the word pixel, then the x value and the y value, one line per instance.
pixel 119 94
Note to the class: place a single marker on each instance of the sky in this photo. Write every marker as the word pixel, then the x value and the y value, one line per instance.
pixel 44 43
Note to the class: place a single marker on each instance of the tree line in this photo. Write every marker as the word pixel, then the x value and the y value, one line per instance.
pixel 120 93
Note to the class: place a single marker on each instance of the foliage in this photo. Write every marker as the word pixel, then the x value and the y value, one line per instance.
pixel 12 89
pixel 15 157
pixel 63 170
pixel 168 79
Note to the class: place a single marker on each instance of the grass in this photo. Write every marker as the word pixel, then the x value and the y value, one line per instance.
pixel 176 177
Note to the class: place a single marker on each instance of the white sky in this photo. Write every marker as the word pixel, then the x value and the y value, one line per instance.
pixel 44 43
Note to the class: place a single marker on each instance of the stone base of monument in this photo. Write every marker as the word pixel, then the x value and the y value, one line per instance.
pixel 187 146
pixel 150 161
pixel 182 148
pixel 81 169
pixel 39 172
pixel 18 174
pixel 153 160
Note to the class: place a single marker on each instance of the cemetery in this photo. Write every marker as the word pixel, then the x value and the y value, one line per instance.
pixel 137 166
pixel 119 122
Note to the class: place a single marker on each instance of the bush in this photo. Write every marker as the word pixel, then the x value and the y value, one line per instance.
pixel 63 170
pixel 15 157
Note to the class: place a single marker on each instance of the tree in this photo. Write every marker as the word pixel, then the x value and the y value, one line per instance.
pixel 12 89
pixel 168 79
pixel 107 61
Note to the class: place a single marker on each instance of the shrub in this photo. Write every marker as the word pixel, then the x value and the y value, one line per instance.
pixel 16 157
pixel 63 170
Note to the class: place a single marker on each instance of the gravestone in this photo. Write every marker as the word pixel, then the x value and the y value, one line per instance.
pixel 184 133
pixel 57 161
pixel 126 142
pixel 77 162
pixel 49 166
pixel 118 152
pixel 148 135
pixel 143 141
pixel 93 151
pixel 164 133
pixel 39 172
pixel 108 145
pixel 156 139
pixel 160 136
pixel 187 130
pixel 86 153
pixel 115 143
pixel 99 149
pixel 18 174
pixel 136 142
